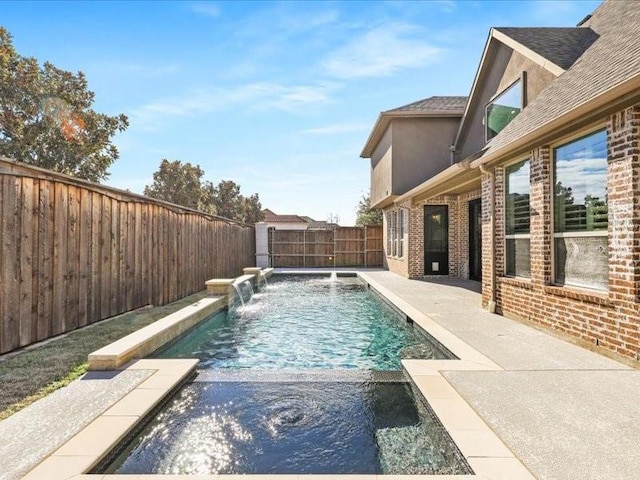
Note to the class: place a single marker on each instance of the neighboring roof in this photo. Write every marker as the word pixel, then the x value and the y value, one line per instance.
pixel 452 106
pixel 607 72
pixel 271 217
pixel 561 46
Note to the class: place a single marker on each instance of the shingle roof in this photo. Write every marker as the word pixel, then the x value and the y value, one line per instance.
pixel 271 217
pixel 612 59
pixel 561 46
pixel 434 105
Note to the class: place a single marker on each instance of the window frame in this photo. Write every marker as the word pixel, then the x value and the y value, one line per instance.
pixel 515 236
pixel 573 234
pixel 523 103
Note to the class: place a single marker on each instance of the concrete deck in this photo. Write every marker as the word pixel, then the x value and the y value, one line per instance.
pixel 565 412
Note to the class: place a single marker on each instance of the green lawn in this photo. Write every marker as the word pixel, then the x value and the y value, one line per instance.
pixel 34 373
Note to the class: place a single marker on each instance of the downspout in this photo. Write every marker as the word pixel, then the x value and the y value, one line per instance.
pixel 491 306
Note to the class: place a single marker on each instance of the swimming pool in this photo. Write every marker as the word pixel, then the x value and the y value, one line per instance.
pixel 308 322
pixel 305 379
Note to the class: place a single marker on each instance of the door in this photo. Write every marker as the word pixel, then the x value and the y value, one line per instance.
pixel 475 239
pixel 436 240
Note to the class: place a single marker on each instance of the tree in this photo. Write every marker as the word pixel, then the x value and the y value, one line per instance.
pixel 178 183
pixel 46 117
pixel 181 183
pixel 252 209
pixel 365 215
pixel 228 202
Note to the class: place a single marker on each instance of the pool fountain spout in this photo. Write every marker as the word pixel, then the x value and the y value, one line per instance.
pixel 333 277
pixel 238 290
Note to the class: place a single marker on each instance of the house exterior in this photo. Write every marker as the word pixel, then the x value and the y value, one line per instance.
pixel 407 146
pixel 542 200
pixel 284 222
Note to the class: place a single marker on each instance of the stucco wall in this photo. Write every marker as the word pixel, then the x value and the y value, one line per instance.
pixel 506 67
pixel 381 168
pixel 420 149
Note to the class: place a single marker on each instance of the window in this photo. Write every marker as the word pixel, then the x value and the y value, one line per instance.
pixel 400 230
pixel 517 220
pixel 389 233
pixel 580 212
pixel 502 109
pixel 395 233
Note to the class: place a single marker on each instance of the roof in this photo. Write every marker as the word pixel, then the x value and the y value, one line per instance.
pixel 609 67
pixel 561 46
pixel 432 107
pixel 271 217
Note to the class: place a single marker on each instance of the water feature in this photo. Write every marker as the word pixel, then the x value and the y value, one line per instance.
pixel 238 290
pixel 333 277
pixel 249 287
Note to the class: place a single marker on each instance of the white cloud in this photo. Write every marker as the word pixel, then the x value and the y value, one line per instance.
pixel 338 128
pixel 206 8
pixel 259 96
pixel 380 52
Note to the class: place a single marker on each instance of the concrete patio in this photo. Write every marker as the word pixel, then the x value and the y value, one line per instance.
pixel 565 412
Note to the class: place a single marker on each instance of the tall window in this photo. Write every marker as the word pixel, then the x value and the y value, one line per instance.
pixel 517 216
pixel 581 212
pixel 400 232
pixel 502 109
pixel 395 233
pixel 390 227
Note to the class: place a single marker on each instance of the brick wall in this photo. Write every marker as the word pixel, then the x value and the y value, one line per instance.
pixel 607 321
pixel 458 234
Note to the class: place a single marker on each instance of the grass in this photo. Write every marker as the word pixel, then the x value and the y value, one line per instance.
pixel 37 371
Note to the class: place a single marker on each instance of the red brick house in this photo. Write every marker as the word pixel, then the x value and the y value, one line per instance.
pixel 542 199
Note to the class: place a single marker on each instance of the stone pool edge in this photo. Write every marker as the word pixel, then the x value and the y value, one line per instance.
pixel 487 455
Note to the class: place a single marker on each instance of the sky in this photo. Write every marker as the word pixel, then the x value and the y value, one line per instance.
pixel 279 97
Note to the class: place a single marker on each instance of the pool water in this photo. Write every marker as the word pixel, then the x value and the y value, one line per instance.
pixel 304 379
pixel 307 322
pixel 329 426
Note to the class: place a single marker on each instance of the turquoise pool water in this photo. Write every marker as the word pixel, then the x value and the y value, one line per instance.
pixel 311 423
pixel 304 379
pixel 306 323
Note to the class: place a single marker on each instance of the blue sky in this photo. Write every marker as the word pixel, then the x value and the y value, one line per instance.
pixel 279 97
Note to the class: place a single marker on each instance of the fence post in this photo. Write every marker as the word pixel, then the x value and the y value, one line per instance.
pixel 262 245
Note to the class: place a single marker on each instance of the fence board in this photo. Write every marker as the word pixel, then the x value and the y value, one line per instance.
pixel 10 337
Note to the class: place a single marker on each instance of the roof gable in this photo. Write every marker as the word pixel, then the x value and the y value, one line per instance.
pixel 552 49
pixel 610 69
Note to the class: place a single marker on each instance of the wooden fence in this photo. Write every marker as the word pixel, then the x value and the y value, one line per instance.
pixel 340 247
pixel 74 252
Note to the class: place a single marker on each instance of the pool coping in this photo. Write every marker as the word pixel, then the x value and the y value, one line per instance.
pixel 488 456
